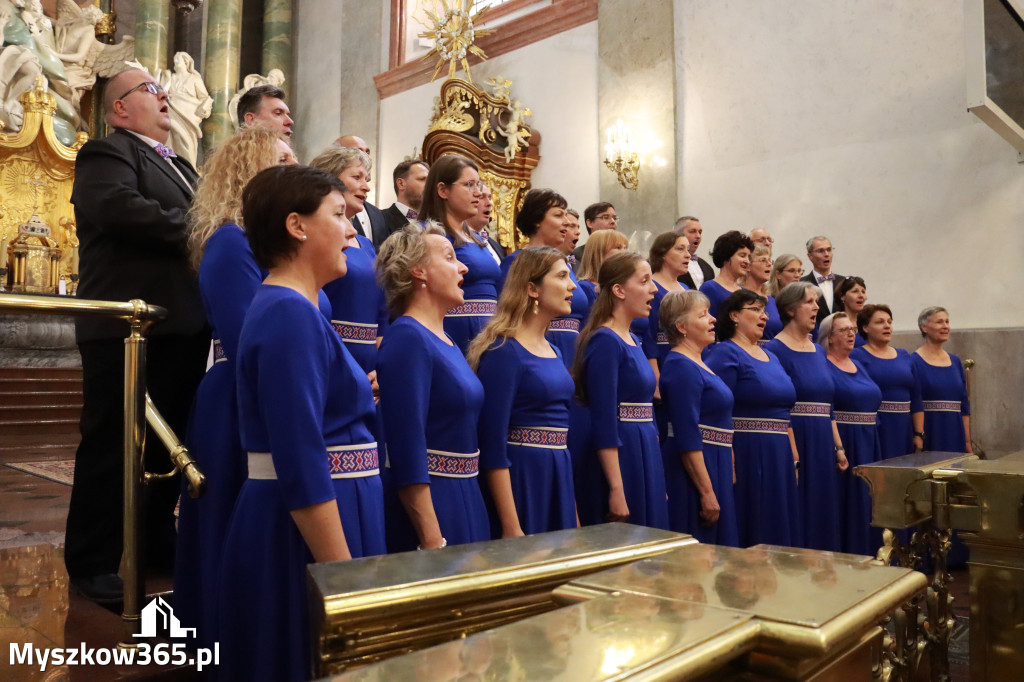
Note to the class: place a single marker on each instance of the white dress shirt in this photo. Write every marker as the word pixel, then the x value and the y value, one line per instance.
pixel 695 272
pixel 361 221
pixel 827 289
pixel 153 143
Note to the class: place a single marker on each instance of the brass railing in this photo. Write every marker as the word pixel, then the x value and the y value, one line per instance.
pixel 138 409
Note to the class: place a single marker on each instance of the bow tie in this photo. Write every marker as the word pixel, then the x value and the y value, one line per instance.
pixel 571 259
pixel 821 278
pixel 165 151
pixel 412 214
pixel 483 235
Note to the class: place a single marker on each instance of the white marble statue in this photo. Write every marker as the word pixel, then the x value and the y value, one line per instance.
pixel 84 57
pixel 190 104
pixel 274 77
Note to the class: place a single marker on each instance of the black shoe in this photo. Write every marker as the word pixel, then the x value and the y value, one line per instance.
pixel 106 588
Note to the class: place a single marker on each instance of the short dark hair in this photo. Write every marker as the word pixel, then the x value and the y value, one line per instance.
pixel 402 171
pixel 727 245
pixel 535 207
pixel 733 302
pixel 573 212
pixel 867 312
pixel 271 196
pixel 662 244
pixel 590 212
pixel 252 99
pixel 848 283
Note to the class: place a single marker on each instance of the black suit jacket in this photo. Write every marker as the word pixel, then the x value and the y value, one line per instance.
pixel 378 225
pixel 823 310
pixel 130 210
pixel 394 219
pixel 705 267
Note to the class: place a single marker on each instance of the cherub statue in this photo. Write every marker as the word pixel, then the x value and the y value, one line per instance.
pixel 499 87
pixel 273 77
pixel 516 132
pixel 84 57
pixel 190 103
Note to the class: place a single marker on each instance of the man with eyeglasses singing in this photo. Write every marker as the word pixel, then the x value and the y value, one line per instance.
pixel 820 252
pixel 131 196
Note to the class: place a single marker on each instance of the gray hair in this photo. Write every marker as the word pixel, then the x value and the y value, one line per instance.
pixel 819 238
pixel 398 255
pixel 677 307
pixel 681 222
pixel 926 315
pixel 336 159
pixel 792 295
pixel 825 328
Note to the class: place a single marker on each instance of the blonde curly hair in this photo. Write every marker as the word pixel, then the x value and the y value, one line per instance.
pixel 225 173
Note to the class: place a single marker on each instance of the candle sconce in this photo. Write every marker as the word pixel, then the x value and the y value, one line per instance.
pixel 621 157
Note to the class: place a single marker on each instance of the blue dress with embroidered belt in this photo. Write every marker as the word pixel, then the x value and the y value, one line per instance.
pixel 480 290
pixel 944 399
pixel 765 495
pixel 524 428
pixel 811 419
pixel 857 400
pixel 360 313
pixel 699 407
pixel 716 293
pixel 620 390
pixel 656 347
pixel 901 397
pixel 431 401
pixel 306 414
pixel 228 279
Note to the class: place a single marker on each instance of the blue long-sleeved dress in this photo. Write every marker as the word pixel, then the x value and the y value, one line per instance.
pixel 944 399
pixel 524 428
pixel 699 407
pixel 857 399
pixel 766 498
pixel 811 419
pixel 359 311
pixel 901 397
pixel 430 400
pixel 480 291
pixel 716 293
pixel 306 423
pixel 620 389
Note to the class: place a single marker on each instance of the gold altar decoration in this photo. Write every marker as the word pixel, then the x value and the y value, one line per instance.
pixel 453 31
pixel 36 176
pixel 490 129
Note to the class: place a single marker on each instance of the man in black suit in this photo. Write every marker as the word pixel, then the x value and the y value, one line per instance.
pixel 700 270
pixel 409 178
pixel 370 221
pixel 131 196
pixel 819 252
pixel 265 105
pixel 599 216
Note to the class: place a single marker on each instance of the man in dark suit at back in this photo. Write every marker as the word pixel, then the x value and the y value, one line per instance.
pixel 409 178
pixel 700 270
pixel 370 221
pixel 599 216
pixel 131 196
pixel 820 252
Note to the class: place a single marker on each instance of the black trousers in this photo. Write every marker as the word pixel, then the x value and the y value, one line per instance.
pixel 174 366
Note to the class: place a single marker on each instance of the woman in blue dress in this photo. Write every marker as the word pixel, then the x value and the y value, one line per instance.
pixel 313 492
pixel 527 392
pixel 358 312
pixel 947 412
pixel 758 280
pixel 228 279
pixel 622 477
pixel 451 198
pixel 430 398
pixel 698 453
pixel 669 257
pixel 731 254
pixel 852 294
pixel 857 399
pixel 900 416
pixel 599 246
pixel 812 423
pixel 767 503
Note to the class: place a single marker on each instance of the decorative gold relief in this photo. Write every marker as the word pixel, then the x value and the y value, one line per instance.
pixel 453 31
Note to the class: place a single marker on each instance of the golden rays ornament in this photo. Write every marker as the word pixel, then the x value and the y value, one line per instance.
pixel 453 32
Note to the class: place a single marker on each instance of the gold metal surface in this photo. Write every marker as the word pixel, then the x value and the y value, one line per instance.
pixel 183 462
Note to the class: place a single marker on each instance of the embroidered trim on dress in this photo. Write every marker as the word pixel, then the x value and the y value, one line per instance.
pixel 551 437
pixel 453 464
pixel 355 332
pixel 475 307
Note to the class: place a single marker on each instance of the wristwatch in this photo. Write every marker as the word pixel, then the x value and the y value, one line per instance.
pixel 919 434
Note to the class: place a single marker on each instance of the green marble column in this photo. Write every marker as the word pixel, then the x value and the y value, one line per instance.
pixel 151 20
pixel 277 38
pixel 220 72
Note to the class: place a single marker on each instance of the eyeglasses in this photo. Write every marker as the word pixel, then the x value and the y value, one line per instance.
pixel 763 259
pixel 765 240
pixel 473 185
pixel 791 271
pixel 848 330
pixel 759 311
pixel 149 86
pixel 823 251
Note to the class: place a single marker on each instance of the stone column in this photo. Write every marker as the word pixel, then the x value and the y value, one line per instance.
pixel 220 72
pixel 277 38
pixel 151 20
pixel 636 76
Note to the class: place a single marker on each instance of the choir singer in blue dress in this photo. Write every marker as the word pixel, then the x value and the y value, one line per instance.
pixel 947 412
pixel 430 398
pixel 622 478
pixel 527 392
pixel 306 411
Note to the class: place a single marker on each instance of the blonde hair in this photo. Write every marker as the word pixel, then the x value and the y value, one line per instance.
pixel 780 264
pixel 336 159
pixel 676 307
pixel 218 199
pixel 598 244
pixel 530 266
pixel 398 255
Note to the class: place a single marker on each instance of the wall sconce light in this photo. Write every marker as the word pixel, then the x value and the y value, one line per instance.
pixel 621 157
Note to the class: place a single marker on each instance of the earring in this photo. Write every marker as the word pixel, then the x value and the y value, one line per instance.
pixel 303 238
pixel 423 285
pixel 536 306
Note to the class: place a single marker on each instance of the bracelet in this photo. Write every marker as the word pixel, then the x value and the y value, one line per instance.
pixel 919 434
pixel 840 448
pixel 796 464
pixel 444 543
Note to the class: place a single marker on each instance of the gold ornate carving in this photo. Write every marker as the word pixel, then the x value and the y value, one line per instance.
pixel 36 176
pixel 107 26
pixel 453 31
pixel 477 124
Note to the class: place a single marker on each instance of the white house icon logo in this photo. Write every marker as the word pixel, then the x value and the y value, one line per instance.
pixel 159 613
